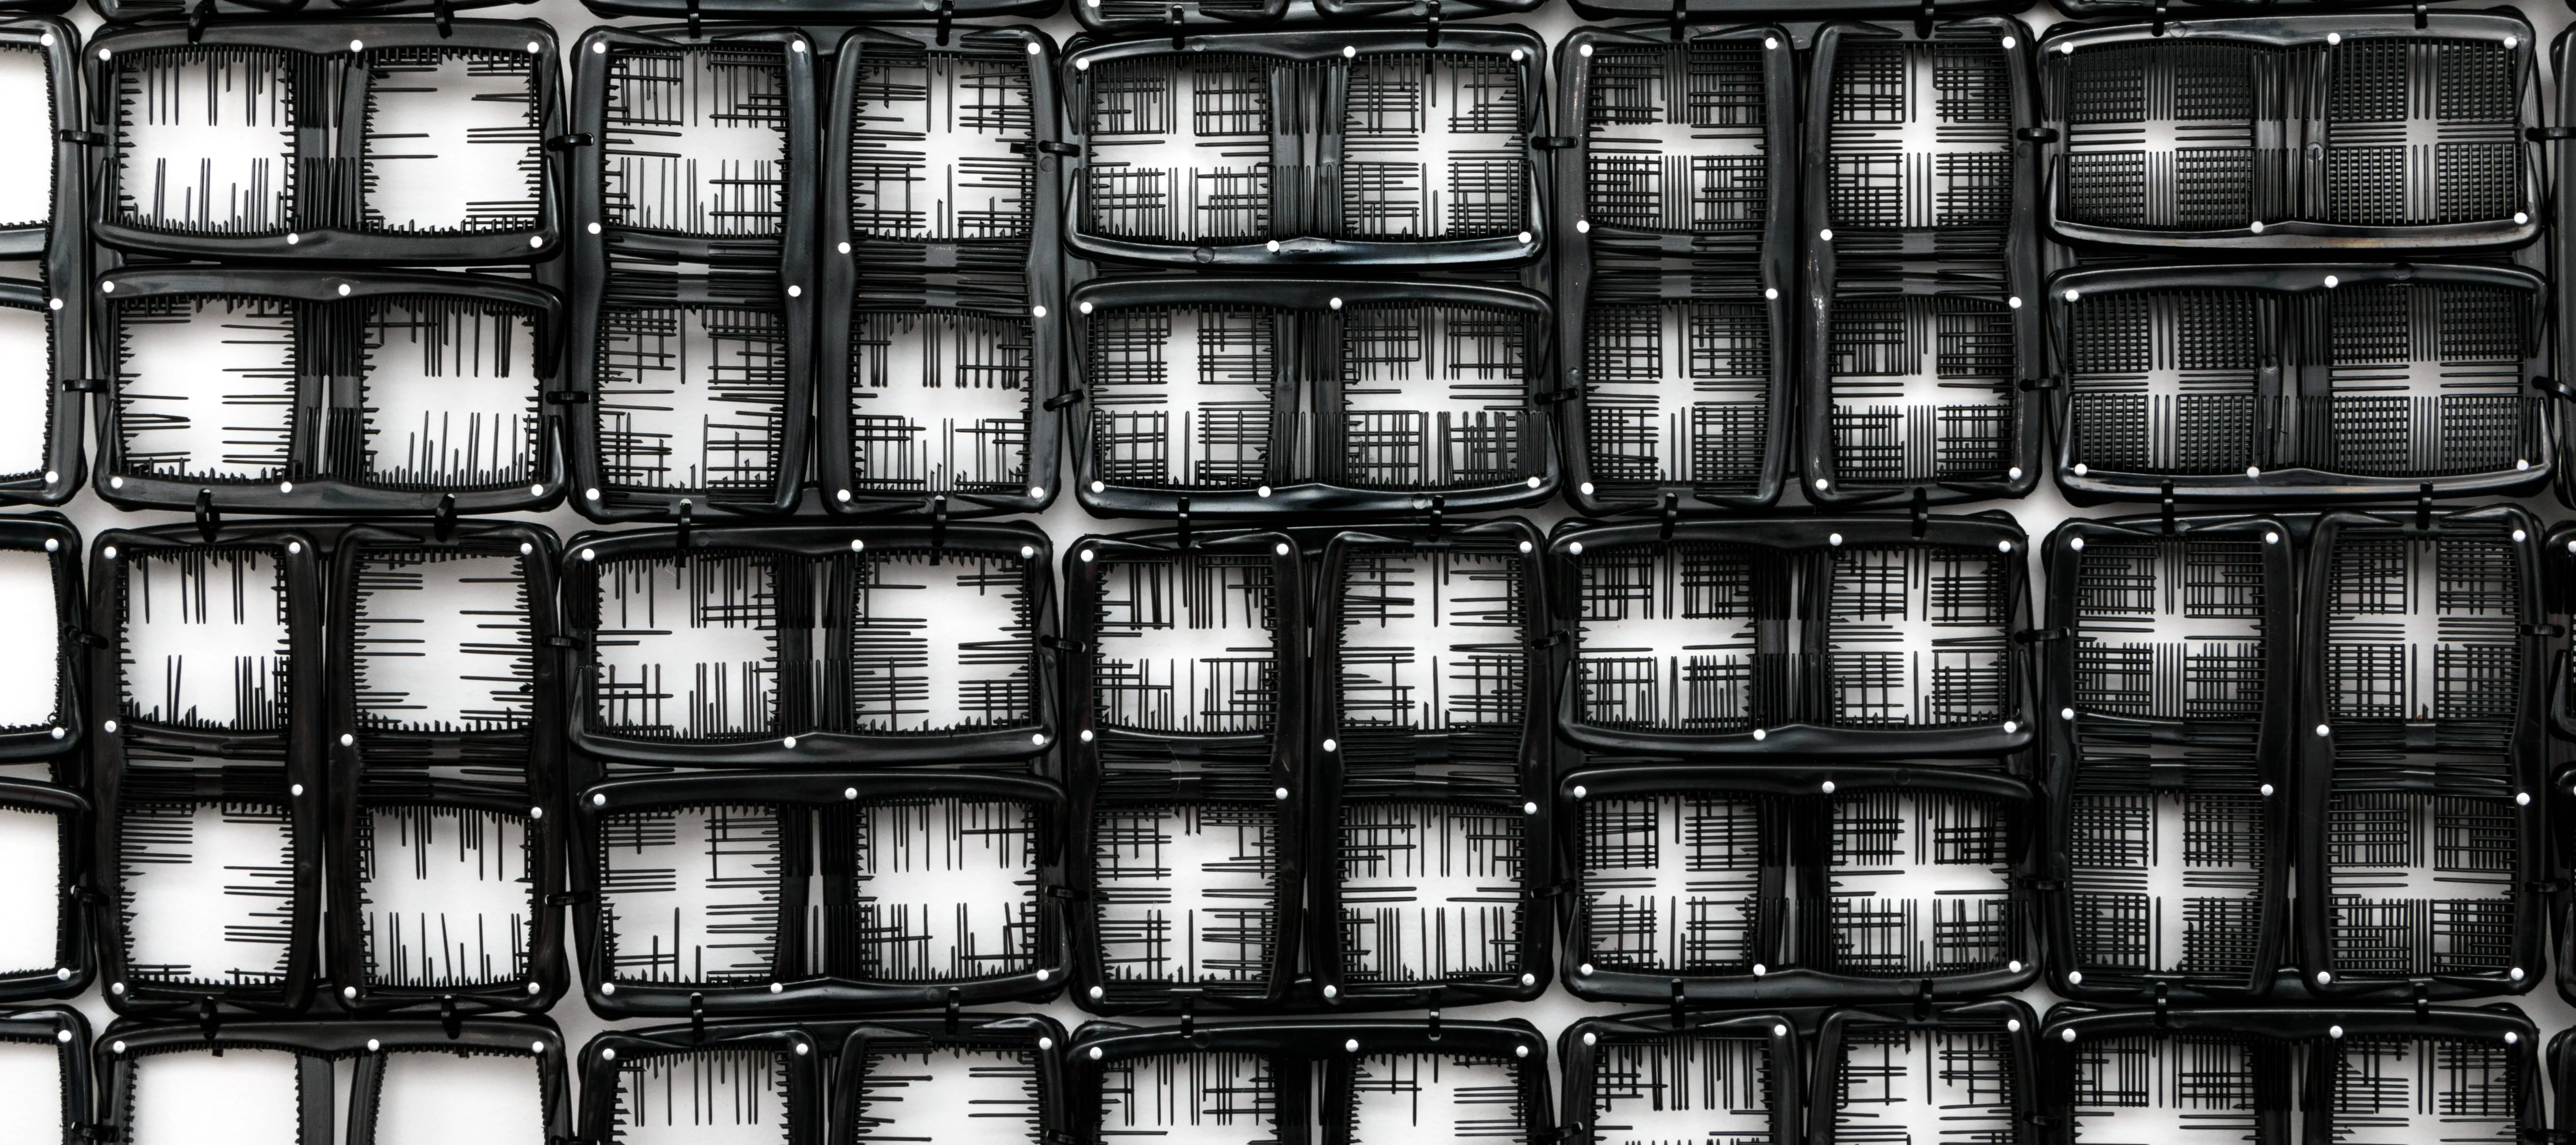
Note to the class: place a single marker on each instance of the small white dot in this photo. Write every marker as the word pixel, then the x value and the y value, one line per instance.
pixel 2081 469
pixel 2003 546
pixel 1084 64
pixel 1834 539
pixel 1280 549
pixel 2012 1025
pixel 842 496
pixel 1086 556
pixel 2522 799
pixel 2066 713
pixel 1760 734
pixel 2011 726
pixel 286 487
pixel 1087 736
pixel 296 789
pixel 2511 1038
pixel 54 303
pixel 536 490
pixel 1027 551
pixel 2257 228
pixel 2010 43
pixel 1332 991
pixel 2325 977
pixel 1590 1038
pixel 1525 546
pixel 1520 1051
pixel 1037 312
pixel 1829 787
pixel 536 240
pixel 1518 55
pixel 357 45
pixel 2334 1031
pixel 1335 303
pixel 1273 246
pixel 2333 38
pixel 1822 484
pixel 1826 234
pixel 1038 740
pixel 1770 43
pixel 1264 491
pixel 2512 42
pixel 789 742
pixel 103 54
pixel 1348 51
pixel 535 47
pixel 348 992
pixel 1585 51
pixel 2521 463
pixel 346 739
pixel 1095 994
pixel 2271 538
pixel 1281 793
pixel 1037 492
pixel 107 288
pixel 2072 295
pixel 2333 282
pixel 1527 238
pixel 2253 471
pixel 1579 793
pixel 2515 973
pixel 1084 307
pixel 598 800
pixel 1575 548
pixel 2521 217
pixel 2014 966
pixel 2066 1035
pixel 293 239
pixel 344 290
pixel 1587 488
pixel 794 291
pixel 858 545
pixel 2323 730
pixel 1759 970
pixel 590 554
pixel 1583 226
pixel 608 987
pixel 1771 293
pixel 1034 49
pixel 802 1049
pixel 2267 791
pixel 1332 745
pixel 1044 1043
pixel 797 46
pixel 1529 808
pixel 110 727
pixel 47 39
pixel 1532 482
pixel 607 1054
pixel 52 545
pixel 2075 543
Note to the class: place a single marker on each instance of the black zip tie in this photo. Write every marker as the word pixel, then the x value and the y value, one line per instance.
pixel 567 898
pixel 1052 147
pixel 1431 29
pixel 2164 1006
pixel 953 1008
pixel 2041 635
pixel 443 14
pixel 209 522
pixel 1673 516
pixel 2554 387
pixel 208 1022
pixel 1681 18
pixel 2037 385
pixel 567 142
pixel 695 32
pixel 1184 525
pixel 1060 644
pixel 698 1018
pixel 687 514
pixel 1064 400
pixel 2423 15
pixel 1922 512
pixel 85 385
pixel 198 14
pixel 83 637
pixel 1551 640
pixel 2167 500
pixel 443 520
pixel 2035 134
pixel 1553 142
pixel 947 19
pixel 563 642
pixel 448 1019
pixel 1435 1023
pixel 2424 508
pixel 1923 22
pixel 938 525
pixel 1172 16
pixel 1439 508
pixel 1681 1007
pixel 83 138
pixel 2548 134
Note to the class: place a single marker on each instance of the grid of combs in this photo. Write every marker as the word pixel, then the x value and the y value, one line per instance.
pixel 2363 129
pixel 2365 378
pixel 2172 820
pixel 1678 243
pixel 946 271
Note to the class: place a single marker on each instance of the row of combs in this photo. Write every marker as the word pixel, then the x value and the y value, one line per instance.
pixel 1985 1071
pixel 1008 256
pixel 780 770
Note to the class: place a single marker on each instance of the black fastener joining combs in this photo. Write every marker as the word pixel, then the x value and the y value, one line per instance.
pixel 1676 210
pixel 1921 263
pixel 941 321
pixel 2170 715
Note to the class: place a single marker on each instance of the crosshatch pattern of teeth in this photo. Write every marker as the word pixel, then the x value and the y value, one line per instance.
pixel 447 895
pixel 1187 644
pixel 1717 1091
pixel 946 890
pixel 207 888
pixel 1434 644
pixel 1673 884
pixel 692 397
pixel 1158 174
pixel 1430 397
pixel 1922 384
pixel 935 643
pixel 1945 1086
pixel 940 400
pixel 1678 138
pixel 454 141
pixel 2390 1090
pixel 441 643
pixel 1671 638
pixel 697 140
pixel 1916 637
pixel 2423 633
pixel 948 1093
pixel 939 145
pixel 1216 1098
pixel 1431 892
pixel 1187 895
pixel 2168 842
pixel 1676 390
pixel 205 139
pixel 1433 146
pixel 2413 130
pixel 698 895
pixel 2421 379
pixel 1919 884
pixel 2146 1088
pixel 1922 135
pixel 701 1096
pixel 204 643
pixel 222 389
pixel 1445 1097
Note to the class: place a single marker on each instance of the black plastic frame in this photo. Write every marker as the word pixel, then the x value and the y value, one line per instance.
pixel 2296 483
pixel 819 993
pixel 367 1041
pixel 544 768
pixel 64 1028
pixel 331 135
pixel 806 1099
pixel 1793 539
pixel 1771 252
pixel 821 747
pixel 2523 757
pixel 1326 1047
pixel 75 958
pixel 1781 980
pixel 1580 1047
pixel 1301 398
pixel 298 748
pixel 1820 259
pixel 2272 746
pixel 1034 1034
pixel 740 275
pixel 2280 1118
pixel 55 535
pixel 1042 290
pixel 1282 749
pixel 1324 47
pixel 2303 25
pixel 1529 798
pixel 61 248
pixel 308 491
